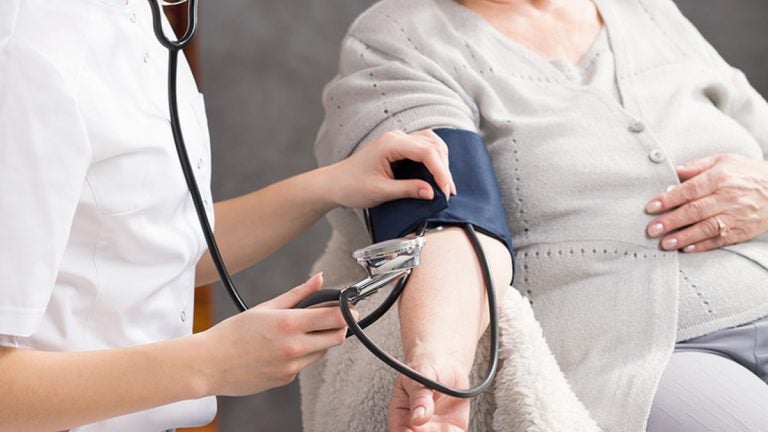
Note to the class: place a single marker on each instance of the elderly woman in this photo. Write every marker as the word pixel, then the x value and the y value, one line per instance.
pixel 632 162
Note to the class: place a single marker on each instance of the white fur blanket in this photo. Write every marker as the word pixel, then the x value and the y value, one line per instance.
pixel 349 390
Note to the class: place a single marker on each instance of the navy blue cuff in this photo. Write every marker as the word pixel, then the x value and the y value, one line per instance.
pixel 478 201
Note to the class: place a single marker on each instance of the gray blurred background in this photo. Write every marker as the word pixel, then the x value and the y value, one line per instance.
pixel 264 64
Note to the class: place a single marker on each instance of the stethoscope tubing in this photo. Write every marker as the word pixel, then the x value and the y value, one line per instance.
pixel 181 149
pixel 356 329
pixel 344 300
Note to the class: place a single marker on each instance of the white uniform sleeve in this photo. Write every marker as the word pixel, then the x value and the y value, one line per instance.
pixel 44 156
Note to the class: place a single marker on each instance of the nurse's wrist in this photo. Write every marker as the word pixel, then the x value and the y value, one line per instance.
pixel 328 184
pixel 195 359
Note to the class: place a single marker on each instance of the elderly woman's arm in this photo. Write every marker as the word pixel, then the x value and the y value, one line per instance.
pixel 443 313
pixel 384 83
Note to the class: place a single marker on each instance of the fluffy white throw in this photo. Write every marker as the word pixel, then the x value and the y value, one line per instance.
pixel 530 393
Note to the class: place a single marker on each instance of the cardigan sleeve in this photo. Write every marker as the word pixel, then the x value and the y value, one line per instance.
pixel 744 104
pixel 384 86
pixel 748 107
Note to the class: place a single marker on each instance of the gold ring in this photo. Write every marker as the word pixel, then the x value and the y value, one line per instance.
pixel 722 228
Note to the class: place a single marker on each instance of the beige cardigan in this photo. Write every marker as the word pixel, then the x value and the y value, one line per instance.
pixel 575 169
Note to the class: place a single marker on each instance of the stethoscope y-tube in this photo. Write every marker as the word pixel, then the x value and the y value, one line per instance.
pixel 347 297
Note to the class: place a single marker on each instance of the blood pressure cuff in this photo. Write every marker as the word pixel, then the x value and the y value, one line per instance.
pixel 478 201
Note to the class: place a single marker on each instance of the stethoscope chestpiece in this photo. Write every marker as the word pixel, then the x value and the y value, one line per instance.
pixel 390 256
pixel 386 262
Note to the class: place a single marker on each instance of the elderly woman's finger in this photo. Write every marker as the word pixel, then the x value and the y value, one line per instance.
pixel 711 243
pixel 695 167
pixel 698 187
pixel 713 230
pixel 685 215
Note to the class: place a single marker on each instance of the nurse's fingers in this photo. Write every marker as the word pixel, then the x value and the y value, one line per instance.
pixel 428 154
pixel 321 341
pixel 304 349
pixel 409 188
pixel 430 137
pixel 294 296
pixel 320 319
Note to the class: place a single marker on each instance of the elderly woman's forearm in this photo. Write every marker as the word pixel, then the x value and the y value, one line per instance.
pixel 444 310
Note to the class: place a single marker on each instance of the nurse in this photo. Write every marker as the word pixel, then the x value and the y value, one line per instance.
pixel 100 247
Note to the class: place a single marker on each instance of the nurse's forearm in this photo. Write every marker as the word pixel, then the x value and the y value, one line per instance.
pixel 53 391
pixel 252 226
pixel 444 310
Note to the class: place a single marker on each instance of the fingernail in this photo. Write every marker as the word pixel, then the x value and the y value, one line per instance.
pixel 670 188
pixel 653 206
pixel 669 244
pixel 689 248
pixel 453 188
pixel 655 229
pixel 447 191
pixel 418 413
pixel 680 167
pixel 424 193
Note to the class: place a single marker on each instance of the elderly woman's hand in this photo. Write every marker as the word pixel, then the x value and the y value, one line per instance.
pixel 723 199
pixel 365 179
pixel 415 408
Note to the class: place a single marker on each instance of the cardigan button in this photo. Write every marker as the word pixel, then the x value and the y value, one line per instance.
pixel 657 156
pixel 636 127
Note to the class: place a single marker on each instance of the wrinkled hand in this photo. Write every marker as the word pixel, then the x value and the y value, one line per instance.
pixel 269 344
pixel 723 199
pixel 414 408
pixel 365 179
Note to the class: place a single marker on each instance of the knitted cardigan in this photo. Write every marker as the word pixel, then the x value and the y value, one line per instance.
pixel 576 168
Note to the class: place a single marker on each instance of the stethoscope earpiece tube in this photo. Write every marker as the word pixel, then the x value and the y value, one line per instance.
pixel 189 175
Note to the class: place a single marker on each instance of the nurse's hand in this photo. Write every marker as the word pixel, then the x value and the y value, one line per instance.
pixel 269 344
pixel 723 199
pixel 414 407
pixel 365 179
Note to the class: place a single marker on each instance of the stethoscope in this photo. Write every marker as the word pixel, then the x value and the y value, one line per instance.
pixel 386 263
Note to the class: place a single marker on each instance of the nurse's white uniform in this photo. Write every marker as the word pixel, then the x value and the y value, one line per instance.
pixel 98 235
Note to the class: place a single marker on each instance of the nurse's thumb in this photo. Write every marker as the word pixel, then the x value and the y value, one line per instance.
pixel 292 297
pixel 418 189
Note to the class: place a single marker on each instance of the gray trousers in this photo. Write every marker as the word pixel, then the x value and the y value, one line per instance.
pixel 717 382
